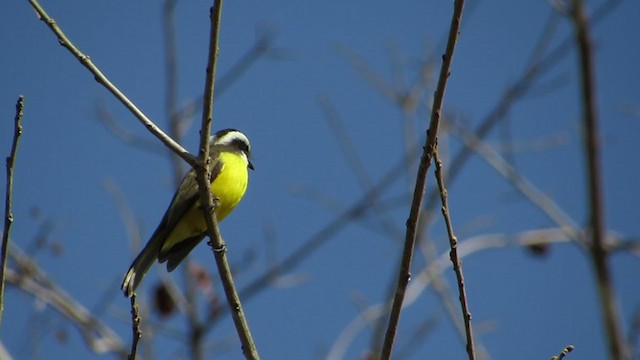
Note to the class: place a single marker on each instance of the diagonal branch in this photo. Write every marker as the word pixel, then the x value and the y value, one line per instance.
pixel 102 79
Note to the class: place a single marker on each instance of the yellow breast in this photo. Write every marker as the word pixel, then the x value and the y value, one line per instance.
pixel 228 187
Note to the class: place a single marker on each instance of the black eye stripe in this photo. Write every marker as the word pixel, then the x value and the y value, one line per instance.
pixel 240 145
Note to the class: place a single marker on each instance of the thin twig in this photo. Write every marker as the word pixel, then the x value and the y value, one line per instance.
pixel 206 198
pixel 441 289
pixel 8 215
pixel 104 81
pixel 418 194
pixel 563 353
pixel 135 328
pixel 599 255
pixel 455 259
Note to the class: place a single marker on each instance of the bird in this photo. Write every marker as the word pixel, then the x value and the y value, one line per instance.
pixel 183 225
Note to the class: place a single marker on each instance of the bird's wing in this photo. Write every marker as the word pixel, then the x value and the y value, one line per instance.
pixel 187 193
pixel 183 200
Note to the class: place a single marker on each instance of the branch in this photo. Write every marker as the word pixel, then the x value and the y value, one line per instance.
pixel 206 197
pixel 102 79
pixel 8 215
pixel 135 328
pixel 416 204
pixel 455 259
pixel 599 255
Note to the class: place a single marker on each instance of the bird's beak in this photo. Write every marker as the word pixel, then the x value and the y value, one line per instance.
pixel 250 165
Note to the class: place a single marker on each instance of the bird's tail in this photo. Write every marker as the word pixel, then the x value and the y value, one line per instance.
pixel 140 266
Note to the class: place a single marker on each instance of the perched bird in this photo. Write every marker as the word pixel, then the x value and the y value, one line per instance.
pixel 183 225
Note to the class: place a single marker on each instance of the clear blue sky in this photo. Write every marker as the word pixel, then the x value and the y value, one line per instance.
pixel 523 307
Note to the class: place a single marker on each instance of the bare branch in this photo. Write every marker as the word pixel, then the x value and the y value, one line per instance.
pixel 416 204
pixel 104 81
pixel 8 214
pixel 455 259
pixel 206 197
pixel 135 328
pixel 599 255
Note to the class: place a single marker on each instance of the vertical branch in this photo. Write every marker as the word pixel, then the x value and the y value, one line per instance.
pixel 598 253
pixel 135 328
pixel 404 273
pixel 206 198
pixel 8 215
pixel 455 259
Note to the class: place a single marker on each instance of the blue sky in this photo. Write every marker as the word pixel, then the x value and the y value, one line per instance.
pixel 523 306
